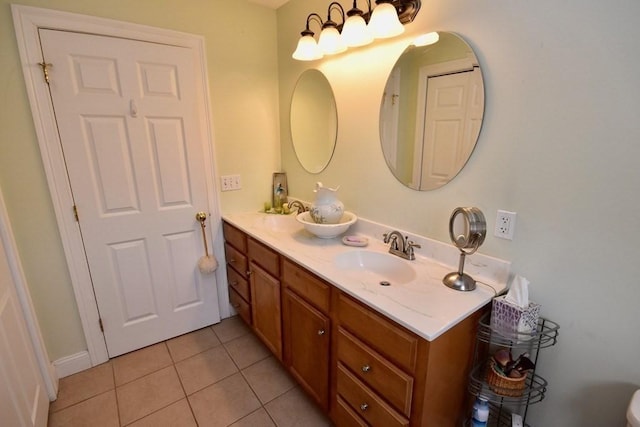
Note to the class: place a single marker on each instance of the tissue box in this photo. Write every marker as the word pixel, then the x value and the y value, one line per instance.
pixel 510 320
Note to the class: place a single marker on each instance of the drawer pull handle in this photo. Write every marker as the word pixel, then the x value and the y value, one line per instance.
pixel 234 283
pixel 321 332
pixel 232 261
pixel 235 305
pixel 248 272
pixel 364 407
pixel 366 368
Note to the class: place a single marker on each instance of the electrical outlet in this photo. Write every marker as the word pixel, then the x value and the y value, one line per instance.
pixel 505 224
pixel 231 182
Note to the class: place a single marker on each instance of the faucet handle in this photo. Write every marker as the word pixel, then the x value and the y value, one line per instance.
pixel 409 249
pixel 391 238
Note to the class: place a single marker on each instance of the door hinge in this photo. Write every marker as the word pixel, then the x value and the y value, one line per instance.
pixel 45 70
pixel 101 325
pixel 75 213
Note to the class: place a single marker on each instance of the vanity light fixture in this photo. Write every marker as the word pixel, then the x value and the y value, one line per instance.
pixel 355 31
pixel 308 49
pixel 357 28
pixel 331 41
pixel 384 20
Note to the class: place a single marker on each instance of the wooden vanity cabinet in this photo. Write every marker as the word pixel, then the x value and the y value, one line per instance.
pixel 235 248
pixel 388 376
pixel 307 330
pixel 361 367
pixel 264 278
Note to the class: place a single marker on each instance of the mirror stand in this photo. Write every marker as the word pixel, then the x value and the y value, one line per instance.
pixel 460 281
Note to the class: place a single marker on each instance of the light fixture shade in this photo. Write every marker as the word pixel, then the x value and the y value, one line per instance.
pixel 426 39
pixel 355 32
pixel 330 41
pixel 307 49
pixel 384 21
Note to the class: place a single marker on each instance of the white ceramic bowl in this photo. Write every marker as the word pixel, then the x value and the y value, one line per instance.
pixel 326 231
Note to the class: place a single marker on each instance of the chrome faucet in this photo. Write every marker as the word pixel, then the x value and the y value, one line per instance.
pixel 399 245
pixel 298 205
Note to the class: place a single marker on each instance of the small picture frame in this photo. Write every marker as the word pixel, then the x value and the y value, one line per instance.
pixel 280 191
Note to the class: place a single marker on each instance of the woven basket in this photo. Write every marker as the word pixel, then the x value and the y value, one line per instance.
pixel 504 386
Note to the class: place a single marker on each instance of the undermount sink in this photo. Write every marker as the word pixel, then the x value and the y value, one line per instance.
pixel 381 267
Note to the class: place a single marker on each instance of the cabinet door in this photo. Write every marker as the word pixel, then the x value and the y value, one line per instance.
pixel 306 346
pixel 265 309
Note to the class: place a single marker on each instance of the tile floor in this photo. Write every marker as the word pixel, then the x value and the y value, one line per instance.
pixel 217 376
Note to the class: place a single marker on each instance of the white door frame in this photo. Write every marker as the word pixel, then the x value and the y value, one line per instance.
pixel 47 370
pixel 27 21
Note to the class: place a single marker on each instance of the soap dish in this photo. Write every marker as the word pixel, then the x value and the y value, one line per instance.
pixel 355 241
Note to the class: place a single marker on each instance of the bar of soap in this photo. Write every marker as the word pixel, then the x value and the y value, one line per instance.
pixel 355 241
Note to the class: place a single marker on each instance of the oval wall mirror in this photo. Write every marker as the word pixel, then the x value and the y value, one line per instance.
pixel 431 112
pixel 313 120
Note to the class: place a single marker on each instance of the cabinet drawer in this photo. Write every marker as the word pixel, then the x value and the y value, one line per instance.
pixel 240 305
pixel 345 416
pixel 236 260
pixel 365 402
pixel 375 371
pixel 387 338
pixel 263 256
pixel 235 237
pixel 238 283
pixel 308 286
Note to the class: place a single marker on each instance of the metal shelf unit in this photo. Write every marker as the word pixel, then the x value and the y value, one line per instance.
pixel 487 342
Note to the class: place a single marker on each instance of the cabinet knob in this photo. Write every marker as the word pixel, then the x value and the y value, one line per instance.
pixel 248 272
pixel 366 368
pixel 321 332
pixel 232 261
pixel 233 283
pixel 364 407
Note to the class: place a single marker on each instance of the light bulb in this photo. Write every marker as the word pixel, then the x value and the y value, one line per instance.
pixel 426 39
pixel 355 32
pixel 384 21
pixel 330 41
pixel 307 49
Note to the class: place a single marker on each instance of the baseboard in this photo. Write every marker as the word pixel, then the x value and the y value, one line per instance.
pixel 72 364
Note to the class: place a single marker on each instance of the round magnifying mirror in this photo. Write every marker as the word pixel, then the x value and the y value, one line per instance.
pixel 431 112
pixel 313 120
pixel 467 230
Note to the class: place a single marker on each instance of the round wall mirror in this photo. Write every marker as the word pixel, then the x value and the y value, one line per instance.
pixel 431 112
pixel 313 120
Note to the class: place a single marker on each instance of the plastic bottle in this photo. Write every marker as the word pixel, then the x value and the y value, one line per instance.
pixel 480 415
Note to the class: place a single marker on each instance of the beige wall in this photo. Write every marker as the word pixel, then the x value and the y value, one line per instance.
pixel 560 146
pixel 241 47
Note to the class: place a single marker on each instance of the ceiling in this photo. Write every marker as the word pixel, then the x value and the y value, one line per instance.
pixel 273 4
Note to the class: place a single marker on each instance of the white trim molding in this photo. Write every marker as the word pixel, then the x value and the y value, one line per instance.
pixel 72 364
pixel 47 370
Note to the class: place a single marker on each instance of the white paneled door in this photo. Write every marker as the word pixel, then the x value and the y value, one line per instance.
pixel 23 398
pixel 453 116
pixel 132 137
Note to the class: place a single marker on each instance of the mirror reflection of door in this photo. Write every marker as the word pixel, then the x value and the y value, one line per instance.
pixel 451 120
pixel 391 114
pixel 440 96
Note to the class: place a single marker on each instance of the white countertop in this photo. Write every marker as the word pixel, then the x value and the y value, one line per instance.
pixel 423 305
